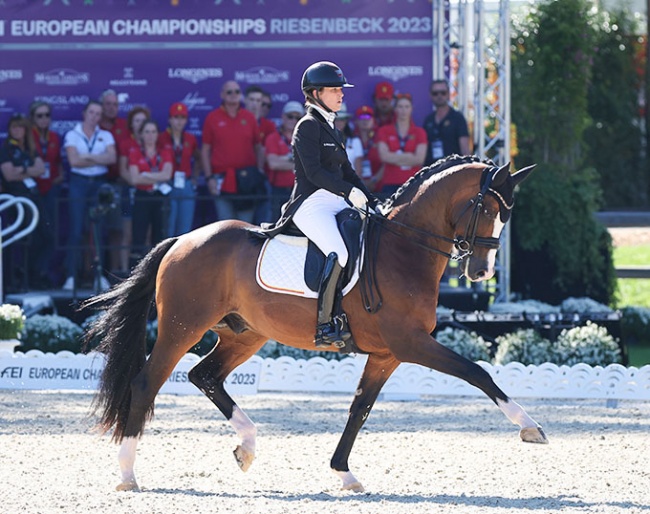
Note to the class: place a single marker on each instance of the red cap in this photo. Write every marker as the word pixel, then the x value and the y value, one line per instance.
pixel 384 90
pixel 178 109
pixel 364 111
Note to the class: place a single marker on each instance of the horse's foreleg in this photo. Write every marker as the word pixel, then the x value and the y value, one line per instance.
pixel 425 350
pixel 209 376
pixel 375 374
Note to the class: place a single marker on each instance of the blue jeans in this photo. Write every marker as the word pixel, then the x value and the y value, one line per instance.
pixel 82 195
pixel 181 209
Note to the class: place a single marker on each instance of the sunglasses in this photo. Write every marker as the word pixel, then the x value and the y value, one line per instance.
pixel 438 93
pixel 233 91
pixel 265 104
pixel 293 116
pixel 40 115
pixel 399 96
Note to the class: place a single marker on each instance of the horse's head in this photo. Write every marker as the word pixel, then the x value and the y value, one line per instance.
pixel 479 219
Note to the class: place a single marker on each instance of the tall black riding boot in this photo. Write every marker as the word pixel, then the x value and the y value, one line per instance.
pixel 332 327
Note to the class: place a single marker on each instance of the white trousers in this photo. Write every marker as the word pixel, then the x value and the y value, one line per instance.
pixel 316 218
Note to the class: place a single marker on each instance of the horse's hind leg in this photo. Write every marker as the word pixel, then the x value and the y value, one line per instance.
pixel 377 371
pixel 209 375
pixel 423 349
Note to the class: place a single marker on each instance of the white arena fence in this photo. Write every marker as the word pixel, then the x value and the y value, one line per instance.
pixel 68 371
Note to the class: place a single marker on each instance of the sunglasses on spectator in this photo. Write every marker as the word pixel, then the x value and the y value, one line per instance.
pixel 266 104
pixel 40 115
pixel 438 92
pixel 293 116
pixel 233 91
pixel 399 96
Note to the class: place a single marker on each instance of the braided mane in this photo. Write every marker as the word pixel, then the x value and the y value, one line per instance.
pixel 425 173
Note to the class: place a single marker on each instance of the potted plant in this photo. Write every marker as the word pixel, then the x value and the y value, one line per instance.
pixel 12 321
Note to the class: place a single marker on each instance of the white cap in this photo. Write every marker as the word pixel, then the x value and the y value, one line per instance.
pixel 293 106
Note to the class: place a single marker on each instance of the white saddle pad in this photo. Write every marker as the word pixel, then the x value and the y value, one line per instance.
pixel 281 267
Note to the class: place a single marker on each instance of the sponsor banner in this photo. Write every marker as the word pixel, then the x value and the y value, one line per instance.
pixel 67 371
pixel 159 52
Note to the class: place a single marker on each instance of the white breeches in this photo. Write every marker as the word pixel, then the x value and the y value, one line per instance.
pixel 316 218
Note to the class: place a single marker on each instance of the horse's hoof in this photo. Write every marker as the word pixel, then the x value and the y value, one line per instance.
pixel 128 486
pixel 533 435
pixel 355 487
pixel 243 457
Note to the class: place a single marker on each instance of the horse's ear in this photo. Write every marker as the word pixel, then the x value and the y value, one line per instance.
pixel 522 174
pixel 501 175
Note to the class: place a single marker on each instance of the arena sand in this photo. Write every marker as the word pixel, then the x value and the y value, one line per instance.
pixel 438 455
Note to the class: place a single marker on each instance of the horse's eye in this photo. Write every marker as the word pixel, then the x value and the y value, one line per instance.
pixel 490 214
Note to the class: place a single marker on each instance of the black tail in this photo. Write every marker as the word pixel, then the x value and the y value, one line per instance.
pixel 121 333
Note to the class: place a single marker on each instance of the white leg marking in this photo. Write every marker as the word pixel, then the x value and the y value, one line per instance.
pixel 515 413
pixel 126 458
pixel 245 429
pixel 349 482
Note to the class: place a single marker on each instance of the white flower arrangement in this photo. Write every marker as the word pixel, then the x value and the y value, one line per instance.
pixel 12 321
pixel 525 346
pixel 523 307
pixel 590 344
pixel 468 344
pixel 584 305
pixel 51 333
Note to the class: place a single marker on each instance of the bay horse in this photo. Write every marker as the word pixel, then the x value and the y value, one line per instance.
pixel 204 280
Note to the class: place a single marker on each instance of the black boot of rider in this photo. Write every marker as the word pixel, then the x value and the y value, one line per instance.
pixel 332 328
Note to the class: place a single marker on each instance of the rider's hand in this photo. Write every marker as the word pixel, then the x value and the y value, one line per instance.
pixel 357 198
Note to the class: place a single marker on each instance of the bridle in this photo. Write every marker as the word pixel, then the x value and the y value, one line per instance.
pixel 464 244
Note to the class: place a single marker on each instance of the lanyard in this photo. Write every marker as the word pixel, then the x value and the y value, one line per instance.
pixel 178 151
pixel 402 140
pixel 153 165
pixel 91 144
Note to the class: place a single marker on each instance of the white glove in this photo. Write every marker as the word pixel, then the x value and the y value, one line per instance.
pixel 357 198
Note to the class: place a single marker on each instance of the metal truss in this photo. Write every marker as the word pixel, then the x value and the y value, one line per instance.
pixel 471 49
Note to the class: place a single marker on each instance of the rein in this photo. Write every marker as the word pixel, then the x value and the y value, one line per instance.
pixel 463 244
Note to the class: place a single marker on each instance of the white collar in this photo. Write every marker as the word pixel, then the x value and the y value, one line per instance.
pixel 329 116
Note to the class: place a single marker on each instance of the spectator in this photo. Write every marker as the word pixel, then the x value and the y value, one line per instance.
pixel 253 102
pixel 353 145
pixel 383 98
pixel 90 151
pixel 279 156
pixel 150 167
pixel 364 129
pixel 446 128
pixel 402 147
pixel 136 117
pixel 231 141
pixel 187 158
pixel 267 103
pixel 119 128
pixel 20 166
pixel 48 146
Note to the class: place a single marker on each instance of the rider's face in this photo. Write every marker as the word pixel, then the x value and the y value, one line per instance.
pixel 332 97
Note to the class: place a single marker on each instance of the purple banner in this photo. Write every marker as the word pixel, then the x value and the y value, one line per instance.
pixel 156 52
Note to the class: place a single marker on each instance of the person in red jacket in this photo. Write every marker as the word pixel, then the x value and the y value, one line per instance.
pixel 150 168
pixel 187 165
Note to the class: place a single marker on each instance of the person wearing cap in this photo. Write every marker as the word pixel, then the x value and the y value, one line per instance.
pixel 20 166
pixel 231 142
pixel 384 97
pixel 47 144
pixel 353 145
pixel 446 128
pixel 187 165
pixel 364 129
pixel 401 146
pixel 136 117
pixel 325 183
pixel 279 156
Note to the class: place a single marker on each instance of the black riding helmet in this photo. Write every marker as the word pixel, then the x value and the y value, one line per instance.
pixel 322 74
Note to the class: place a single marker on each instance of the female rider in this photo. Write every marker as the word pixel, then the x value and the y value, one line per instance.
pixel 325 184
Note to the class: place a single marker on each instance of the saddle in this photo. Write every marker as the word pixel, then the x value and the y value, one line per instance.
pixel 291 264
